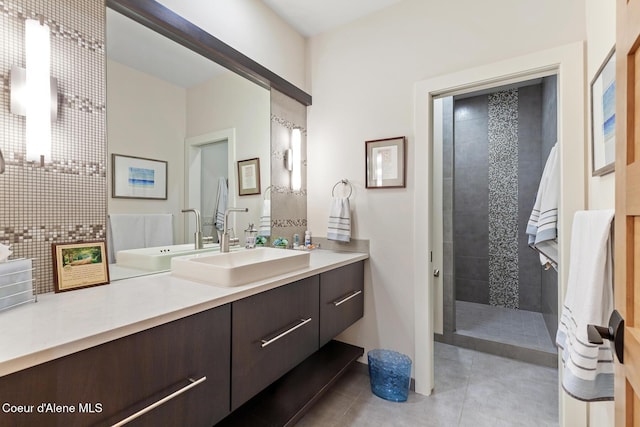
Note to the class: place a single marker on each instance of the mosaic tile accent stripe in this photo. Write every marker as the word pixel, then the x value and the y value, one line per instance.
pixel 503 199
pixel 289 222
pixel 64 200
pixel 288 208
pixel 288 124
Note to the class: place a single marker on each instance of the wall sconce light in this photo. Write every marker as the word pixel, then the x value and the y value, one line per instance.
pixel 292 159
pixel 34 93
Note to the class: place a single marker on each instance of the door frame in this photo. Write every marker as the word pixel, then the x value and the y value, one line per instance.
pixel 568 63
pixel 192 171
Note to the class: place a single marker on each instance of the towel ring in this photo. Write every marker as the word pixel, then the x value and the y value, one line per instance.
pixel 343 182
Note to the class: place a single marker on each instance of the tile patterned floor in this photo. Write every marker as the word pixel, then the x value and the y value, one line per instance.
pixel 471 389
pixel 519 327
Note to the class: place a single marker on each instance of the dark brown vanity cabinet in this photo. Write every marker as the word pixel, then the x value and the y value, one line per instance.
pixel 272 332
pixel 341 299
pixel 110 382
pixel 241 348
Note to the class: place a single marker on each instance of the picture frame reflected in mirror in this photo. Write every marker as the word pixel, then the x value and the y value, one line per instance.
pixel 249 177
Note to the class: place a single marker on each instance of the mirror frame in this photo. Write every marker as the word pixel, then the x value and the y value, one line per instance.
pixel 173 26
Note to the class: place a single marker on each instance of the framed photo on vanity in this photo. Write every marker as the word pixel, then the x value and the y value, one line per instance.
pixel 249 177
pixel 138 178
pixel 385 162
pixel 79 265
pixel 603 117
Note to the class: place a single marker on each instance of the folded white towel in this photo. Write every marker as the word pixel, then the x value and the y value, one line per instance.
pixel 158 230
pixel 265 219
pixel 543 222
pixel 339 227
pixel 588 368
pixel 126 231
pixel 221 203
pixel 15 282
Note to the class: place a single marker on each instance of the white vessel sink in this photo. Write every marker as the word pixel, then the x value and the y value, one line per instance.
pixel 158 258
pixel 239 267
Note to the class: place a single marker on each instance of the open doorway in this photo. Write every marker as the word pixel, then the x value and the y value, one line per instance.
pixel 209 159
pixel 490 148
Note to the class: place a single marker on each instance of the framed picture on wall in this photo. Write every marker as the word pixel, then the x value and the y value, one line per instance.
pixel 603 117
pixel 385 162
pixel 138 178
pixel 249 177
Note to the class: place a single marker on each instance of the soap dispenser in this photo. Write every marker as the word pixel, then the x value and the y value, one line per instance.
pixel 250 236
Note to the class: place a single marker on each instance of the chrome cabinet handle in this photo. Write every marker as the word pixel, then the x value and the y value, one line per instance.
pixel 342 301
pixel 287 332
pixel 161 401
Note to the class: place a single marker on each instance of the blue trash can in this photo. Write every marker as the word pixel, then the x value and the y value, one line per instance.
pixel 390 374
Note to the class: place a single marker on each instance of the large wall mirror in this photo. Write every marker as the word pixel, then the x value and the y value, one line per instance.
pixel 168 103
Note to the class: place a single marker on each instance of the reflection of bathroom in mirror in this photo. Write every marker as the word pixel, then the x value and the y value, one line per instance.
pixel 165 102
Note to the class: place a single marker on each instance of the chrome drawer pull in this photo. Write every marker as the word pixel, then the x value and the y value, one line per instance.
pixel 342 301
pixel 287 332
pixel 161 401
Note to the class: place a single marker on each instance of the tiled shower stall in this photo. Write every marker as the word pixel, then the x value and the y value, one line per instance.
pixel 495 146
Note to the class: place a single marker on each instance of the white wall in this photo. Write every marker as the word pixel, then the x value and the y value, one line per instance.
pixel 230 101
pixel 250 27
pixel 146 117
pixel 601 37
pixel 362 78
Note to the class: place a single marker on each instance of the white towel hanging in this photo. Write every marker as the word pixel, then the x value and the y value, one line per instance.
pixel 542 227
pixel 158 230
pixel 265 219
pixel 126 231
pixel 339 227
pixel 588 368
pixel 221 203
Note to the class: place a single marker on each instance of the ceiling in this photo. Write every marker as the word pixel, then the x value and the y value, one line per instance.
pixel 311 17
pixel 145 50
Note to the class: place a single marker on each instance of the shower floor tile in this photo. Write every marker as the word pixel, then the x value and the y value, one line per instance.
pixel 518 327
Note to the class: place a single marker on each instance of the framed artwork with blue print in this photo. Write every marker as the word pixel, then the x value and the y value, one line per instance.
pixel 138 178
pixel 603 117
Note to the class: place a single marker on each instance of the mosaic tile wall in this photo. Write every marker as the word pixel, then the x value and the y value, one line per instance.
pixel 64 200
pixel 288 207
pixel 503 198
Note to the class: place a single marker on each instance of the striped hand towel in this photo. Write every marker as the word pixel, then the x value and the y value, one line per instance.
pixel 339 220
pixel 588 368
pixel 543 222
pixel 265 219
pixel 221 203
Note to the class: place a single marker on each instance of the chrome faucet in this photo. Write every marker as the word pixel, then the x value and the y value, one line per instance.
pixel 225 241
pixel 198 234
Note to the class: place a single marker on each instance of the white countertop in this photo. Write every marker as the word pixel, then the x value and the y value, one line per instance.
pixel 61 324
